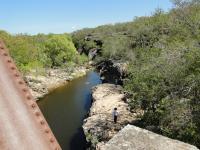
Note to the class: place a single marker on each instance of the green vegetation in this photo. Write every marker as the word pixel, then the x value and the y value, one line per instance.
pixel 42 51
pixel 163 52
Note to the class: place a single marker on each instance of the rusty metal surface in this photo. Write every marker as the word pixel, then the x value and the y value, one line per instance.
pixel 22 125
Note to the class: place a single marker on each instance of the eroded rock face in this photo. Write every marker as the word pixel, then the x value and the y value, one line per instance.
pixel 112 72
pixel 93 53
pixel 99 126
pixel 134 138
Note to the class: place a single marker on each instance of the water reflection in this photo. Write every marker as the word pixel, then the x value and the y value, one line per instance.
pixel 65 109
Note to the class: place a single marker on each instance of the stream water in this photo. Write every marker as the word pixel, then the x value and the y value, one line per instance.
pixel 66 107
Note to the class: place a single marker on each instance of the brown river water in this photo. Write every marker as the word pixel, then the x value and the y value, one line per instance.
pixel 66 107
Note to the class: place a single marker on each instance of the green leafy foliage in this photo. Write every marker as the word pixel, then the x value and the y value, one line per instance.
pixel 163 51
pixel 42 51
pixel 59 49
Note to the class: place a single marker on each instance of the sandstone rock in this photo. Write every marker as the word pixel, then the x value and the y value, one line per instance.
pixel 99 126
pixel 134 138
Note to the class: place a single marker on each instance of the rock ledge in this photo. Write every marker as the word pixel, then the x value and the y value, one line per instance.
pixel 99 126
pixel 134 138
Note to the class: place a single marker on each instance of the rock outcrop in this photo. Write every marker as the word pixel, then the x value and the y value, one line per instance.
pixel 99 126
pixel 112 72
pixel 41 85
pixel 93 53
pixel 134 138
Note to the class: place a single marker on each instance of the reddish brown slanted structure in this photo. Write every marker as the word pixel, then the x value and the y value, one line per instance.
pixel 22 125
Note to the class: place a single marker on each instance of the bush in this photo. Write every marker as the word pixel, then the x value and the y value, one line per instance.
pixel 42 51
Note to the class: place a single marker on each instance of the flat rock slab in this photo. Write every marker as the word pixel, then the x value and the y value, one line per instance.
pixel 134 138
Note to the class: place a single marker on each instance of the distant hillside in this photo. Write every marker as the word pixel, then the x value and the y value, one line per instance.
pixel 163 52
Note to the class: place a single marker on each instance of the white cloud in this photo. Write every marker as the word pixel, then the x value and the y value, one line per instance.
pixel 74 27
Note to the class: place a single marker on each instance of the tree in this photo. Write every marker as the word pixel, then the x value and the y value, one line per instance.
pixel 60 49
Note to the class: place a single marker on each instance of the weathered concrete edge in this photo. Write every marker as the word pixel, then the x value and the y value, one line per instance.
pixel 163 143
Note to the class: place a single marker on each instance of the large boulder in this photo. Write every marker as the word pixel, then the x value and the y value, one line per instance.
pixel 134 138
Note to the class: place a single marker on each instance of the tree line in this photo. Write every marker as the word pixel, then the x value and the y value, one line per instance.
pixel 163 53
pixel 40 52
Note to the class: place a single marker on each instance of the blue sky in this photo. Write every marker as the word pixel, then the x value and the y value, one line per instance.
pixel 59 16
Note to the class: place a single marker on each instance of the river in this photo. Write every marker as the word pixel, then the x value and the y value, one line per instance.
pixel 66 107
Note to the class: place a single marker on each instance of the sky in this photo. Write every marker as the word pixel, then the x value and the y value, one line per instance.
pixel 61 16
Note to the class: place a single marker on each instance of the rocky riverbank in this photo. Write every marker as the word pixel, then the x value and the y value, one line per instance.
pixel 103 134
pixel 41 85
pixel 99 126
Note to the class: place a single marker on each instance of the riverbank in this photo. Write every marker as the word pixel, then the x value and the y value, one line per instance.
pixel 40 85
pixel 66 107
pixel 99 126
